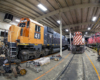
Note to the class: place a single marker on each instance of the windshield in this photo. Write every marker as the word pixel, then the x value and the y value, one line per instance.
pixel 22 24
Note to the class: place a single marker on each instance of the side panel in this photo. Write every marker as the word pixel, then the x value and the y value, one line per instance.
pixel 48 36
pixel 23 39
pixel 53 39
pixel 32 39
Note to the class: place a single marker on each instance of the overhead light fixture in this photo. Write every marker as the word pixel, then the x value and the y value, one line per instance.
pixel 17 20
pixel 58 21
pixel 66 30
pixel 89 28
pixel 94 18
pixel 42 7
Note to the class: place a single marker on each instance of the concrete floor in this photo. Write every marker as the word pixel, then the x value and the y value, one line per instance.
pixel 83 67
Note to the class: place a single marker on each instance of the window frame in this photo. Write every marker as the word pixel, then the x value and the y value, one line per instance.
pixel 37 28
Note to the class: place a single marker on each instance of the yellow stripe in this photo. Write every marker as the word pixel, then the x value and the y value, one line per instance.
pixel 22 44
pixel 36 44
pixel 93 67
pixel 51 68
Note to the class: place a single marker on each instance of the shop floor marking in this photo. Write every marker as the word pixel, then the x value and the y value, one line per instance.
pixel 52 68
pixel 93 67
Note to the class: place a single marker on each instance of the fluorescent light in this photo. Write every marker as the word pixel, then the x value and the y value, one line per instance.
pixel 89 28
pixel 66 30
pixel 58 21
pixel 94 18
pixel 17 20
pixel 42 7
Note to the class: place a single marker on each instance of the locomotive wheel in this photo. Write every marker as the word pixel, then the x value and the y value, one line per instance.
pixel 51 51
pixel 42 52
pixel 37 54
pixel 23 58
pixel 46 52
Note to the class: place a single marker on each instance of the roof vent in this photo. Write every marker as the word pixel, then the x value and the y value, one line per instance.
pixel 8 18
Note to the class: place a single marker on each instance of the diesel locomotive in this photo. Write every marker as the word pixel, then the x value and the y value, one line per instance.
pixel 31 39
pixel 78 43
pixel 94 42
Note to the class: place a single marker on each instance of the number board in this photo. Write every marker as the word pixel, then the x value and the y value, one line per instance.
pixel 37 36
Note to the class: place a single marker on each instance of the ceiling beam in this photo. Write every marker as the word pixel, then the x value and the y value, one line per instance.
pixel 73 25
pixel 91 31
pixel 67 9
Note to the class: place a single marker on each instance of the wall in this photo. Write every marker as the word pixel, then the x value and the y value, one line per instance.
pixel 5 25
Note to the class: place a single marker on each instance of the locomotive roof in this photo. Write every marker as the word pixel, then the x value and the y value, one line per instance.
pixel 77 32
pixel 35 22
pixel 98 33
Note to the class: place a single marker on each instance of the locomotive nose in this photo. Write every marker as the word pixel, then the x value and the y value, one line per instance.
pixel 13 33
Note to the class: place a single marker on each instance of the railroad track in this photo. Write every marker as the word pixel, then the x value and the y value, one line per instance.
pixel 67 67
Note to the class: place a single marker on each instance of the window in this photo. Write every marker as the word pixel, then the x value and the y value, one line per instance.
pixel 21 33
pixel 28 23
pixel 4 34
pixel 49 29
pixel 97 35
pixel 37 28
pixel 22 24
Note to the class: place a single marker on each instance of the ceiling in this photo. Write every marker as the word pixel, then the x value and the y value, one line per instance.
pixel 76 14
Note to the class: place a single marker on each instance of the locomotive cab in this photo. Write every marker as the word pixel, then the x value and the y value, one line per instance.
pixel 24 24
pixel 26 32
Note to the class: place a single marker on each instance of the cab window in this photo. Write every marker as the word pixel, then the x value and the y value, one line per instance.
pixel 37 28
pixel 22 24
pixel 21 32
pixel 97 35
pixel 28 24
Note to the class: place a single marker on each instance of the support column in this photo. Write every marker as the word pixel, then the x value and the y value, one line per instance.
pixel 60 35
pixel 70 40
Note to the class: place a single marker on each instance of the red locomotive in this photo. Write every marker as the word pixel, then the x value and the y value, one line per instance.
pixel 94 42
pixel 78 43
